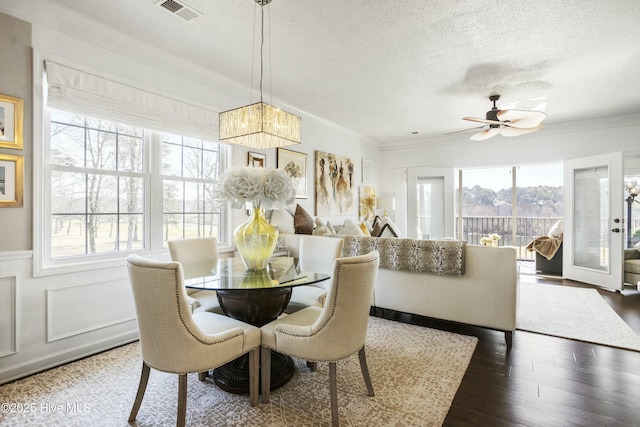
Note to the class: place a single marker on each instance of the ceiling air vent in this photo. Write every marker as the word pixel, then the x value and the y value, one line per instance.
pixel 181 9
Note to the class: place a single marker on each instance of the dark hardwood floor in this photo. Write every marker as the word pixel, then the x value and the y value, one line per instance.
pixel 547 381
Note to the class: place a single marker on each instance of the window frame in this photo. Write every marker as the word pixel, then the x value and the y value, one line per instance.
pixel 43 264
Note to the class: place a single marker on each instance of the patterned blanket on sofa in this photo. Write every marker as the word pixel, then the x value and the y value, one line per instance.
pixel 442 257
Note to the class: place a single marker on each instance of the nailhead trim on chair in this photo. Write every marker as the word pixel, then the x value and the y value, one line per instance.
pixel 180 314
pixel 316 332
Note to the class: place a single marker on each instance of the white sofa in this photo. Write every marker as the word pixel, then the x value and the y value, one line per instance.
pixel 485 294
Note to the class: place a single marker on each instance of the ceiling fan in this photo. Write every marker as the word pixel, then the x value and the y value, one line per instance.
pixel 507 122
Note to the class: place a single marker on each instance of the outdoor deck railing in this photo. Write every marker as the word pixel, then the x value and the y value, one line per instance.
pixel 528 228
pixel 475 228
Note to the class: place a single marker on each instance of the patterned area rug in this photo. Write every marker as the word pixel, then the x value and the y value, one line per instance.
pixel 576 313
pixel 415 372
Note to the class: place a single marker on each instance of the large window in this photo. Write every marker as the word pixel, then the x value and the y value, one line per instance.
pixel 119 167
pixel 517 203
pixel 103 183
pixel 189 167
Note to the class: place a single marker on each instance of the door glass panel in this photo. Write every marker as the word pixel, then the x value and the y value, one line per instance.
pixel 591 217
pixel 486 204
pixel 430 207
pixel 539 203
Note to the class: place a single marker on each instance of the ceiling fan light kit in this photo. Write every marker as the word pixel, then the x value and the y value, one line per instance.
pixel 260 125
pixel 507 122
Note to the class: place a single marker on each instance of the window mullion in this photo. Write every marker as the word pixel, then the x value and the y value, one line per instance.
pixel 154 195
pixel 71 166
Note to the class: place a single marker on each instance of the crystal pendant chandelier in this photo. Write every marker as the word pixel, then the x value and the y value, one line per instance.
pixel 260 125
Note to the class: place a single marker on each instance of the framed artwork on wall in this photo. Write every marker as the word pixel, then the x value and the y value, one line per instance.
pixel 334 185
pixel 367 178
pixel 11 110
pixel 11 180
pixel 295 165
pixel 257 160
pixel 367 205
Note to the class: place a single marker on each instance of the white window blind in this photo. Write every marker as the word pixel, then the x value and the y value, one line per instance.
pixel 75 90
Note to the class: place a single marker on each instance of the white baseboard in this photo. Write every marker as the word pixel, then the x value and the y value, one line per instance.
pixel 31 367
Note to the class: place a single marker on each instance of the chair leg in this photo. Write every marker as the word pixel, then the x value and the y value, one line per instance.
pixel 202 375
pixel 333 393
pixel 254 378
pixel 508 337
pixel 265 373
pixel 313 366
pixel 365 372
pixel 142 387
pixel 182 400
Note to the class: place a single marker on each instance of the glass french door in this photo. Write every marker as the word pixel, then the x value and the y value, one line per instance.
pixel 593 229
pixel 430 203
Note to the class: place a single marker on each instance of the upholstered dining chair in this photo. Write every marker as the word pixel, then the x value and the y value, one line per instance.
pixel 327 334
pixel 198 257
pixel 174 340
pixel 317 254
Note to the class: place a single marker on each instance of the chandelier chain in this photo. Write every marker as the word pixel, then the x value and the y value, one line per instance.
pixel 261 48
pixel 260 125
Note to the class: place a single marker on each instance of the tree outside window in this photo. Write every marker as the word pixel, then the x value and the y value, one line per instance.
pixel 101 185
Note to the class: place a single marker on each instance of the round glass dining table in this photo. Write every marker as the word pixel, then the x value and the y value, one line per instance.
pixel 256 297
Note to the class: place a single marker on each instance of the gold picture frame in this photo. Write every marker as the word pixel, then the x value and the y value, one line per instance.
pixel 11 180
pixel 11 122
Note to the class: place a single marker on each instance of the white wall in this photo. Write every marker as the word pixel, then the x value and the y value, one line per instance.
pixel 51 320
pixel 15 80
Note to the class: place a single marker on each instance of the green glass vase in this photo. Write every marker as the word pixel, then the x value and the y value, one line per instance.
pixel 255 240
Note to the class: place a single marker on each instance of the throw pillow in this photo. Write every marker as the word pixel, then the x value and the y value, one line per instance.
pixel 376 221
pixel 330 228
pixel 365 230
pixel 385 228
pixel 319 229
pixel 375 232
pixel 389 231
pixel 302 221
pixel 351 229
pixel 282 219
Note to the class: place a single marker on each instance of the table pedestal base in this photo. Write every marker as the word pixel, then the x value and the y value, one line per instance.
pixel 256 307
pixel 234 376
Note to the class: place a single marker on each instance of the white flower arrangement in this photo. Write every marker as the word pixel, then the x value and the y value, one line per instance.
pixel 491 240
pixel 264 188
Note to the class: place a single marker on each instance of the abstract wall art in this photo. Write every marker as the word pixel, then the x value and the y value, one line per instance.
pixel 334 185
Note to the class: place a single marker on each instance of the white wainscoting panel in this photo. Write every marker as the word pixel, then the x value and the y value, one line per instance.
pixel 7 316
pixel 79 309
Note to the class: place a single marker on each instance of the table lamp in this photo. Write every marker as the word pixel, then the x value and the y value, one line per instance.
pixel 386 203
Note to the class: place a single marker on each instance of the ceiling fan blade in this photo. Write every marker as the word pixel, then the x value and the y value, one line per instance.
pixel 514 131
pixel 475 119
pixel 464 130
pixel 521 118
pixel 485 134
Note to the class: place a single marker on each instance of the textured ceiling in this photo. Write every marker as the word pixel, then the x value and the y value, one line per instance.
pixel 388 68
